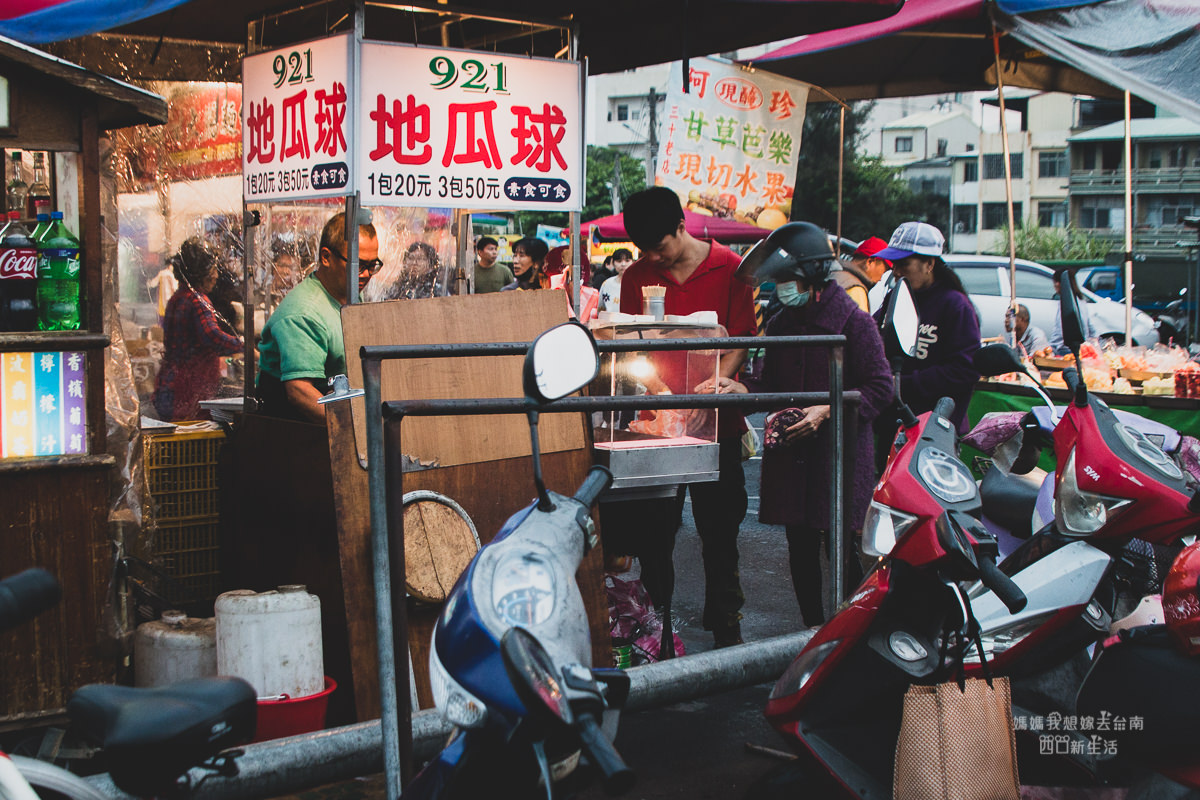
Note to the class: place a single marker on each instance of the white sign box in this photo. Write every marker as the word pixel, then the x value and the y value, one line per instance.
pixel 297 109
pixel 468 129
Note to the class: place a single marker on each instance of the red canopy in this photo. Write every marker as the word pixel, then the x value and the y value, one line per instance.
pixel 721 229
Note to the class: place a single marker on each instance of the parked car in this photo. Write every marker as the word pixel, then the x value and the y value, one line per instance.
pixel 986 280
pixel 1171 310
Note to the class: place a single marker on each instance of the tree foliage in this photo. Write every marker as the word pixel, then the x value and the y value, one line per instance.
pixel 875 198
pixel 1035 243
pixel 605 165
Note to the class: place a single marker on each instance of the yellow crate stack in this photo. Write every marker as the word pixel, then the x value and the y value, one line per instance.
pixel 181 470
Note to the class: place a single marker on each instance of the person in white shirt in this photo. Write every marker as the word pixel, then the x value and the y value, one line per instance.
pixel 610 290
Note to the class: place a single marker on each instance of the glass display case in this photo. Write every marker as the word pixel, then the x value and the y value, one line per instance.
pixel 666 447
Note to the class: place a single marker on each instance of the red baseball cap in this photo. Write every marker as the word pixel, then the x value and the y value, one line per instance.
pixel 868 248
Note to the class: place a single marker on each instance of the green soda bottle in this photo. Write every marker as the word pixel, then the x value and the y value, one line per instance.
pixel 58 278
pixel 43 225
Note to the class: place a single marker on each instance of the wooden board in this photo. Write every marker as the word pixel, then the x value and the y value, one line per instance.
pixel 1052 362
pixel 438 546
pixel 1143 375
pixel 494 317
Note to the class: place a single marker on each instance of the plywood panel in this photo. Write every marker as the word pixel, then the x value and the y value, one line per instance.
pixel 495 317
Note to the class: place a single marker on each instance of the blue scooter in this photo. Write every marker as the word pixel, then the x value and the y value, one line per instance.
pixel 510 664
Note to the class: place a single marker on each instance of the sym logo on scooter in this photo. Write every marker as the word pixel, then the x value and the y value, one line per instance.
pixel 1091 473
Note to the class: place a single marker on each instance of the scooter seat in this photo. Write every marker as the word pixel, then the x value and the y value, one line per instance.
pixel 152 736
pixel 1009 500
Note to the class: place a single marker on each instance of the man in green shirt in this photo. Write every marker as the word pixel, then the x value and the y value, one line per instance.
pixel 490 275
pixel 301 346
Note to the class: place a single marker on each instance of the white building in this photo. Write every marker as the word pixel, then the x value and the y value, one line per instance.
pixel 927 134
pixel 1040 172
pixel 620 111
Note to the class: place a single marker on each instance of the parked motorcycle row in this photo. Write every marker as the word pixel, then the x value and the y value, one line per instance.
pixel 1024 570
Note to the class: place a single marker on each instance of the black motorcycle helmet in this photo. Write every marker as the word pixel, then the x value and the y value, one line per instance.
pixel 795 251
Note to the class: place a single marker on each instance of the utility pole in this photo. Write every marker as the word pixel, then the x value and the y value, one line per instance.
pixel 652 161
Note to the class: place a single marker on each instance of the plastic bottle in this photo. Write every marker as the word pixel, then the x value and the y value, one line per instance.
pixel 18 273
pixel 58 278
pixel 38 200
pixel 43 225
pixel 17 190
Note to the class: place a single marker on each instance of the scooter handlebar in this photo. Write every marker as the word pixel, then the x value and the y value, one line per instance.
pixel 1003 586
pixel 25 595
pixel 944 407
pixel 618 778
pixel 598 479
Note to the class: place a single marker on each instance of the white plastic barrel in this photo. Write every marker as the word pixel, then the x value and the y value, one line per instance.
pixel 174 648
pixel 271 639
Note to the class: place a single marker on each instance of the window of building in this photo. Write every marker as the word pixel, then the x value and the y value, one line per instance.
pixel 995 215
pixel 1177 157
pixel 971 171
pixel 904 144
pixel 1052 214
pixel 635 114
pixel 1089 156
pixel 943 147
pixel 1102 213
pixel 1052 164
pixel 993 165
pixel 966 219
pixel 1154 159
pixel 1166 209
pixel 622 112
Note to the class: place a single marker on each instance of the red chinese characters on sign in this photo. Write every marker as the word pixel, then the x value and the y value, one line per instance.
pixel 738 93
pixel 331 119
pixel 295 126
pixel 398 133
pixel 475 150
pixel 546 134
pixel 699 81
pixel 261 124
pixel 782 104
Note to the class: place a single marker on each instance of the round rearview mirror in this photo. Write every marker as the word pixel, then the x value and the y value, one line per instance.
pixel 902 319
pixel 534 676
pixel 560 361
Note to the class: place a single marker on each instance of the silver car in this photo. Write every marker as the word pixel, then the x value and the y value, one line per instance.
pixel 987 283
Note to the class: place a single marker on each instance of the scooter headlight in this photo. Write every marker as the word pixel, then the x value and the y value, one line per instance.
pixel 457 705
pixel 882 527
pixel 945 476
pixel 524 589
pixel 802 669
pixel 1079 511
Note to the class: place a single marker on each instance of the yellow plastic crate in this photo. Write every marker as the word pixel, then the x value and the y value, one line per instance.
pixel 188 552
pixel 181 471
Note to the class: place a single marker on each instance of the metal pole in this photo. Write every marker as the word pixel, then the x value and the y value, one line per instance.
pixel 1012 233
pixel 382 577
pixel 841 173
pixel 351 248
pixel 1128 225
pixel 837 544
pixel 394 470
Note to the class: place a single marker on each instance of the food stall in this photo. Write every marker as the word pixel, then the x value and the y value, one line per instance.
pixel 57 462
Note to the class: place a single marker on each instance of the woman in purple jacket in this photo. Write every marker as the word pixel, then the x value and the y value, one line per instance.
pixel 796 471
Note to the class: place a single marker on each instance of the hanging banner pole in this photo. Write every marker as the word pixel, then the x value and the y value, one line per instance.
pixel 1008 198
pixel 841 175
pixel 1128 225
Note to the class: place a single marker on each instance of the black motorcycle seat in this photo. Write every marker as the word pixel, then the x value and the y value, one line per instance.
pixel 1009 501
pixel 124 717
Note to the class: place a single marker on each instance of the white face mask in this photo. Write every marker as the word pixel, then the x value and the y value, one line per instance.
pixel 790 295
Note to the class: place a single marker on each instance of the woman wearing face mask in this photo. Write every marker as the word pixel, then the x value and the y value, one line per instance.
pixel 529 258
pixel 795 468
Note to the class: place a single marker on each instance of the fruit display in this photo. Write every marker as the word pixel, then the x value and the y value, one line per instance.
pixel 726 205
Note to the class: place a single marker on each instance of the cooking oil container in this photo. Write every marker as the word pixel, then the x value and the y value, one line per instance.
pixel 272 639
pixel 174 648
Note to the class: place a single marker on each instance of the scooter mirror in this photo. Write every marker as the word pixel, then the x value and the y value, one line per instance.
pixel 560 361
pixel 534 677
pixel 1072 324
pixel 997 359
pixel 901 319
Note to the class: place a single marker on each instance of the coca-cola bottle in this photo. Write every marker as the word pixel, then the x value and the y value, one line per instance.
pixel 58 277
pixel 18 274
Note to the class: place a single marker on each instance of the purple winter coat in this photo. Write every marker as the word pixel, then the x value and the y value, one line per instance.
pixel 795 479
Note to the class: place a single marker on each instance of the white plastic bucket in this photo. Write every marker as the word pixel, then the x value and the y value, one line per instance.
pixel 272 639
pixel 174 648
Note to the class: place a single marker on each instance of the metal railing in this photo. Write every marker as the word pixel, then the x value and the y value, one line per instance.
pixel 386 490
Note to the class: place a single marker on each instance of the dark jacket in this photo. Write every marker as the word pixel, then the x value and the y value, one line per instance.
pixel 795 478
pixel 946 342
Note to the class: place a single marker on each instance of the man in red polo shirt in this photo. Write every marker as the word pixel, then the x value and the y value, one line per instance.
pixel 699 276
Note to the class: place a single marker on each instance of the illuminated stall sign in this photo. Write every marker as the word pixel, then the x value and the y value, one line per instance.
pixel 296 109
pixel 465 129
pixel 42 410
pixel 730 145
